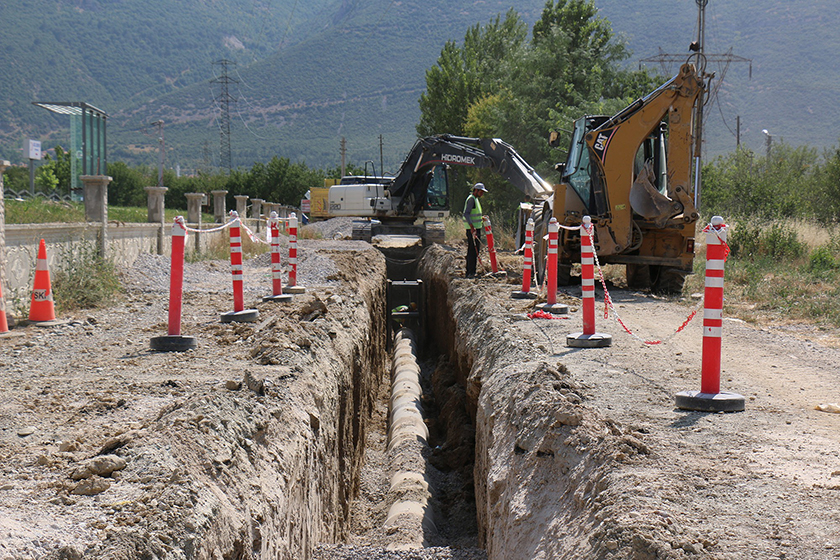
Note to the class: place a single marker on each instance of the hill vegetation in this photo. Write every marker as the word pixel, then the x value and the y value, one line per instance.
pixel 308 73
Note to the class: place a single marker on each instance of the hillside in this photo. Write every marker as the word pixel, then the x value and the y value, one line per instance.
pixel 792 45
pixel 115 55
pixel 309 73
pixel 335 68
pixel 359 78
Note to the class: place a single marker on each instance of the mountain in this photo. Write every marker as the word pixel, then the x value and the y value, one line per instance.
pixel 307 74
pixel 792 46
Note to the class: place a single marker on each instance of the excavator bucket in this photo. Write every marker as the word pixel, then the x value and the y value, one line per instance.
pixel 648 202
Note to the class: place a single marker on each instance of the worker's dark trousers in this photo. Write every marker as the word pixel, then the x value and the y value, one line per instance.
pixel 473 246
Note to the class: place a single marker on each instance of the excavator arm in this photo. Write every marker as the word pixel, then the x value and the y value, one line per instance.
pixel 619 188
pixel 408 190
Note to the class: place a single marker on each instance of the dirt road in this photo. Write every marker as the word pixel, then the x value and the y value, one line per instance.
pixel 763 483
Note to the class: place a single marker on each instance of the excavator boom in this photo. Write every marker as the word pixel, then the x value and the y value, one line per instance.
pixel 631 172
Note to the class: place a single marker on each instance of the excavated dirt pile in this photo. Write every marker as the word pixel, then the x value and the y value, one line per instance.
pixel 269 439
pixel 250 444
pixel 581 453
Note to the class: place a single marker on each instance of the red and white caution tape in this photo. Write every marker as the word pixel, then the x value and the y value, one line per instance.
pixel 540 314
pixel 211 230
pixel 610 306
pixel 254 237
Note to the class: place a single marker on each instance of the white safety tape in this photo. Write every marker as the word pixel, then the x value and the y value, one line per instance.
pixel 211 230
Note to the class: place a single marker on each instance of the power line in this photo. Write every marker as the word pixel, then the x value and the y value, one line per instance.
pixel 701 58
pixel 224 99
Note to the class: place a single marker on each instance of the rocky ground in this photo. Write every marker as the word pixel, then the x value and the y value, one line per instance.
pixel 244 447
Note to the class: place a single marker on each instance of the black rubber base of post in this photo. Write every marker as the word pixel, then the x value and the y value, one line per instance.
pixel 173 343
pixel 294 290
pixel 523 295
pixel 281 298
pixel 596 340
pixel 710 402
pixel 554 308
pixel 244 316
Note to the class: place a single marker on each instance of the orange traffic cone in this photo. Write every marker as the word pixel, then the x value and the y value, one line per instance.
pixel 4 323
pixel 42 308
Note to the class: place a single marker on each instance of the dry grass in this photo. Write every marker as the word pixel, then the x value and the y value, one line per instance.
pixel 503 236
pixel 778 273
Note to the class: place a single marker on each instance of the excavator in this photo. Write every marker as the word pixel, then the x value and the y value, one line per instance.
pixel 631 173
pixel 420 189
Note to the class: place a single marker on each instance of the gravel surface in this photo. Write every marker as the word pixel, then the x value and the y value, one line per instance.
pixel 350 552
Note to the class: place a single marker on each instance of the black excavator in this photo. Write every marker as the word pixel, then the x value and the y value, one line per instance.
pixel 420 189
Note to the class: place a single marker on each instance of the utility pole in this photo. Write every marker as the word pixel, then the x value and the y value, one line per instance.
pixel 737 132
pixel 768 140
pixel 162 148
pixel 381 159
pixel 343 154
pixel 224 99
pixel 700 58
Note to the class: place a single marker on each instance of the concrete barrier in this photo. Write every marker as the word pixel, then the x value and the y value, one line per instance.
pixel 64 241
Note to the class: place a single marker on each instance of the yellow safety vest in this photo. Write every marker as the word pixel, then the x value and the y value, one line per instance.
pixel 475 215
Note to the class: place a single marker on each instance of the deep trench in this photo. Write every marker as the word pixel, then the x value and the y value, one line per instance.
pixel 448 454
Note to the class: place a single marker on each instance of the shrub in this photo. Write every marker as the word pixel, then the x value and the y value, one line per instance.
pixel 85 281
pixel 778 242
pixel 822 259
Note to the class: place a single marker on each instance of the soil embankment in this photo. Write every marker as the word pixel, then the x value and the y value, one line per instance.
pixel 250 444
pixel 581 453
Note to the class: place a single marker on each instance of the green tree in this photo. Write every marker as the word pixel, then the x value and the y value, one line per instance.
pixel 572 66
pixel 785 185
pixel 128 185
pixel 45 179
pixel 16 179
pixel 464 74
pixel 824 201
pixel 62 169
pixel 349 169
pixel 502 85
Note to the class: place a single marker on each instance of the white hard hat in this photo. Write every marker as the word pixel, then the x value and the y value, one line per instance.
pixel 479 186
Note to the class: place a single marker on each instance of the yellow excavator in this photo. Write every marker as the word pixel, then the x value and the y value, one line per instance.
pixel 631 172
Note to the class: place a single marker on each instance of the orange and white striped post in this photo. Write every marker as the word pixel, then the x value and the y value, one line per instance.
pixel 292 287
pixel 551 305
pixel 527 264
pixel 588 338
pixel 42 306
pixel 276 268
pixel 709 398
pixel 239 313
pixel 491 245
pixel 174 341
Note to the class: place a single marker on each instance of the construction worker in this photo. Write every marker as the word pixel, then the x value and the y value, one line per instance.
pixel 473 222
pixel 400 323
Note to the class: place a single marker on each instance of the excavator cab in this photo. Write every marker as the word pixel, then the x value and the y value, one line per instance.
pixel 578 172
pixel 437 191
